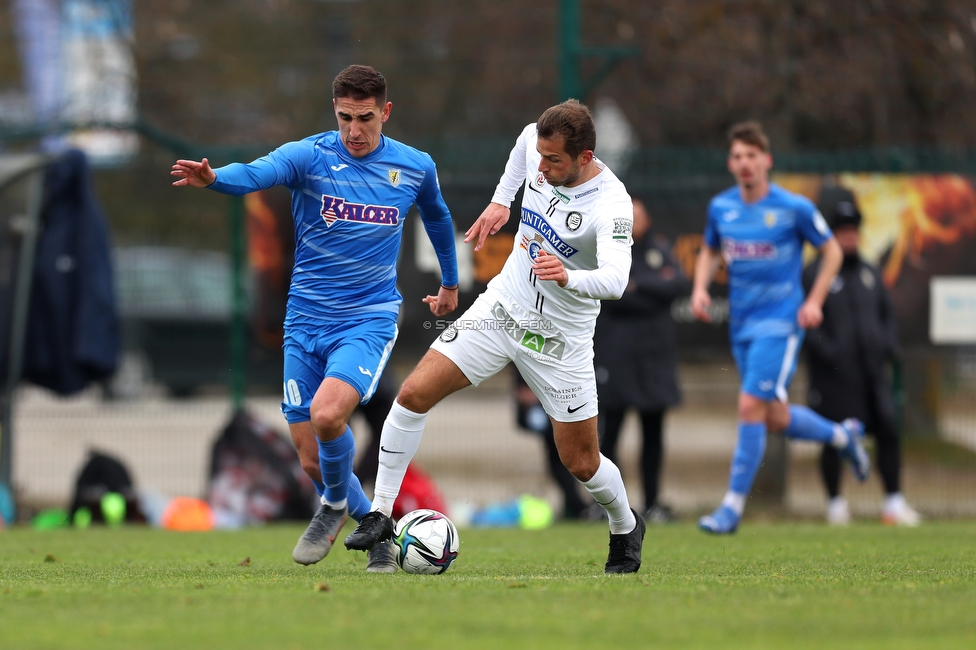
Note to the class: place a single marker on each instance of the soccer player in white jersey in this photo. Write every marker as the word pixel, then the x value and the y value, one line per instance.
pixel 759 228
pixel 572 250
pixel 351 191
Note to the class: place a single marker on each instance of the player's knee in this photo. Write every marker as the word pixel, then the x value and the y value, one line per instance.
pixel 584 471
pixel 327 422
pixel 752 415
pixel 581 465
pixel 777 421
pixel 407 397
pixel 752 409
pixel 413 397
pixel 778 417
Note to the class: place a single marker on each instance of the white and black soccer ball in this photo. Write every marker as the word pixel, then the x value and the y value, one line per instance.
pixel 425 541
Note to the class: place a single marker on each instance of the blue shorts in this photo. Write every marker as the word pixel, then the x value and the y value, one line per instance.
pixel 766 365
pixel 355 352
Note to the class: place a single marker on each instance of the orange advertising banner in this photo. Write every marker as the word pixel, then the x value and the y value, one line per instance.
pixel 915 227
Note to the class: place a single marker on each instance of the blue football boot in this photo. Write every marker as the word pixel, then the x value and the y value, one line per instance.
pixel 854 451
pixel 723 521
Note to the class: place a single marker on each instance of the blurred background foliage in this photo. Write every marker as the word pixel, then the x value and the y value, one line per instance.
pixel 234 78
pixel 840 86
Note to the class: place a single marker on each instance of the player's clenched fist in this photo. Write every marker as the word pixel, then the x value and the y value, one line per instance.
pixel 549 267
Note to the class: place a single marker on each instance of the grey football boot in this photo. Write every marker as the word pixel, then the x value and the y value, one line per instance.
pixel 317 540
pixel 381 558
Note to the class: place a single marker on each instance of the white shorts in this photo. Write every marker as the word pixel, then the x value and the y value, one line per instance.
pixel 558 368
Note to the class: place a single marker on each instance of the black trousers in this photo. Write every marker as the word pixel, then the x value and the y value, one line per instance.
pixel 652 447
pixel 884 428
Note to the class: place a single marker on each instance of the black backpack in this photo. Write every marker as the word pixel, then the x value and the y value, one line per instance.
pixel 256 476
pixel 100 475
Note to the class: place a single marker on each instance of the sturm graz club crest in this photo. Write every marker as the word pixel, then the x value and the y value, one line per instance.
pixel 574 220
pixel 449 334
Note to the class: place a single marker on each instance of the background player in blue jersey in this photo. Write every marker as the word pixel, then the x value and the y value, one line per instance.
pixel 351 191
pixel 759 229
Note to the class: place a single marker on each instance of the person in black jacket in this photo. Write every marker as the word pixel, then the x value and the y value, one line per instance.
pixel 635 355
pixel 848 356
pixel 73 332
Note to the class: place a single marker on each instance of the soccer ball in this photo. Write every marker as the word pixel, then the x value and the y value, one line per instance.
pixel 425 541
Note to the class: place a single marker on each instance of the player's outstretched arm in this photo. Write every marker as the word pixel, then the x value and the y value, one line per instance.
pixel 491 221
pixel 191 173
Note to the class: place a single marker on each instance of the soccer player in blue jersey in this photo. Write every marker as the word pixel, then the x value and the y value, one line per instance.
pixel 759 229
pixel 351 192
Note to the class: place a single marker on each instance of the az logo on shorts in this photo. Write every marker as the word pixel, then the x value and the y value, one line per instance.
pixel 537 344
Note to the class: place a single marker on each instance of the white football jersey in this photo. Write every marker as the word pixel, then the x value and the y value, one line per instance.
pixel 588 227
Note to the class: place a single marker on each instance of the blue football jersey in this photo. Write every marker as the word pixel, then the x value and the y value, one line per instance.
pixel 762 245
pixel 349 215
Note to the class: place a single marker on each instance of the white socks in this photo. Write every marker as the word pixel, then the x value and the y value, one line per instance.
pixel 607 487
pixel 735 501
pixel 399 442
pixel 840 437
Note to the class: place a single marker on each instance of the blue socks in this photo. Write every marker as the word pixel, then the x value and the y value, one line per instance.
pixel 748 456
pixel 319 485
pixel 805 424
pixel 335 462
pixel 751 447
pixel 339 483
pixel 359 505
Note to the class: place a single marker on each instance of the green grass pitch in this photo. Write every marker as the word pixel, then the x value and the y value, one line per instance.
pixel 772 585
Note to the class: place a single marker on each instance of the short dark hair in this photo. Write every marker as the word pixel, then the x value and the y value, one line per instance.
pixel 750 133
pixel 360 82
pixel 572 121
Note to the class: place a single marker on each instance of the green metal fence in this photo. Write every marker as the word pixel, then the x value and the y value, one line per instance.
pixel 165 434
